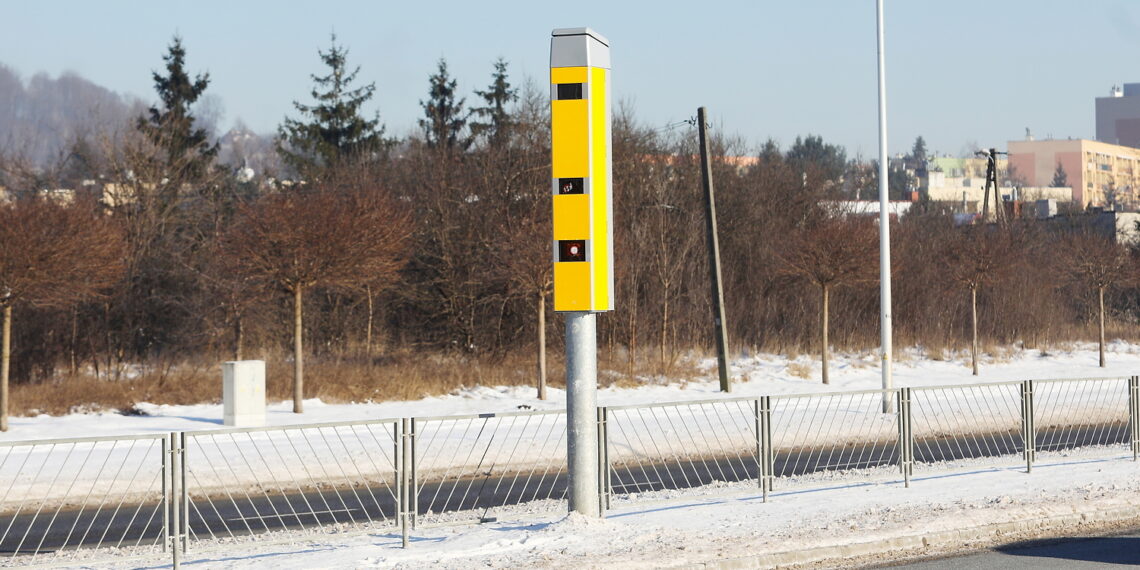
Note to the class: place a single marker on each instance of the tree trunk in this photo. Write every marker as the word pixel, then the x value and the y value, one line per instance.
pixel 823 333
pixel 632 340
pixel 1100 295
pixel 974 328
pixel 298 355
pixel 368 329
pixel 73 356
pixel 5 359
pixel 664 331
pixel 541 345
pixel 239 336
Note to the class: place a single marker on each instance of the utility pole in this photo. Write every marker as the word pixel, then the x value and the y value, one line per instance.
pixel 991 182
pixel 720 326
pixel 884 225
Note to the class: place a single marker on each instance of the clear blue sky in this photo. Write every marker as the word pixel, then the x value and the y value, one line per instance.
pixel 961 72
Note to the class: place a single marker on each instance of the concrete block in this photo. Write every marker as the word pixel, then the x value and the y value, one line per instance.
pixel 243 393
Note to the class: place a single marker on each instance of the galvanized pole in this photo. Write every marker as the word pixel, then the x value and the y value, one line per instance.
pixel 581 411
pixel 175 517
pixel 719 324
pixel 884 226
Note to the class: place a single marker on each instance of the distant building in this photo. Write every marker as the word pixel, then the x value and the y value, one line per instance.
pixel 962 182
pixel 1118 116
pixel 1100 174
pixel 895 208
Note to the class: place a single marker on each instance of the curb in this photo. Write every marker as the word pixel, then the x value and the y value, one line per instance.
pixel 941 542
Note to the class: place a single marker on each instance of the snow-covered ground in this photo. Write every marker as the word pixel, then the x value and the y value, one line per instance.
pixel 692 530
pixel 754 375
pixel 689 528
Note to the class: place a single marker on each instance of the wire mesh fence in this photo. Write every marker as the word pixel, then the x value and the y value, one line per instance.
pixel 246 481
pixel 471 468
pixel 148 494
pixel 67 495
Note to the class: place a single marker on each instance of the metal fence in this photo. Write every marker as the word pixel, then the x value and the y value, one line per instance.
pixel 89 499
pixel 472 468
pixel 67 495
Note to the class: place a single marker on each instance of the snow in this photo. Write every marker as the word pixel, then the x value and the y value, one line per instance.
pixel 763 374
pixel 692 530
pixel 679 527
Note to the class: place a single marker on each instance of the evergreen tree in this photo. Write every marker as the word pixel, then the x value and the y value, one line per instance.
pixel 918 158
pixel 815 159
pixel 444 118
pixel 1060 177
pixel 170 126
pixel 332 130
pixel 918 152
pixel 495 120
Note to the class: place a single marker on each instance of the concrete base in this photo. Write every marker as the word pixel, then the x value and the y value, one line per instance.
pixel 243 393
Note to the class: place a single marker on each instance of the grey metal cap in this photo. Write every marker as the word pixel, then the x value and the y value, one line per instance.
pixel 579 47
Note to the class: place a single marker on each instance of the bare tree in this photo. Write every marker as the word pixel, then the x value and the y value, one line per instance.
pixel 53 255
pixel 977 256
pixel 515 168
pixel 1096 262
pixel 832 251
pixel 344 233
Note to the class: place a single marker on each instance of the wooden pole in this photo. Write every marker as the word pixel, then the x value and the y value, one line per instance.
pixel 714 256
pixel 5 359
pixel 298 359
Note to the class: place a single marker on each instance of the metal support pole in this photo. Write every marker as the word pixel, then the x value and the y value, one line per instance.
pixel 414 487
pixel 405 448
pixel 185 527
pixel 759 445
pixel 603 462
pixel 1028 430
pixel 719 324
pixel 175 517
pixel 166 475
pixel 581 410
pixel 906 437
pixel 767 475
pixel 884 224
pixel 1134 415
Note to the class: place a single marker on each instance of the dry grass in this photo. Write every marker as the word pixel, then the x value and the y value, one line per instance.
pixel 800 370
pixel 402 376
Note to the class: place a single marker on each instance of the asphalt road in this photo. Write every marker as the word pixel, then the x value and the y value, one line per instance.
pixel 134 524
pixel 1110 551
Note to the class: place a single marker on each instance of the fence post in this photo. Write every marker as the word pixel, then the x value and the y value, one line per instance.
pixel 1028 430
pixel 175 517
pixel 603 461
pixel 414 488
pixel 906 436
pixel 767 477
pixel 1134 415
pixel 759 444
pixel 165 493
pixel 404 446
pixel 185 524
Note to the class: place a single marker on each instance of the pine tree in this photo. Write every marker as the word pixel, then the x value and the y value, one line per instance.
pixel 170 127
pixel 444 118
pixel 1060 177
pixel 496 121
pixel 332 130
pixel 917 160
pixel 918 152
